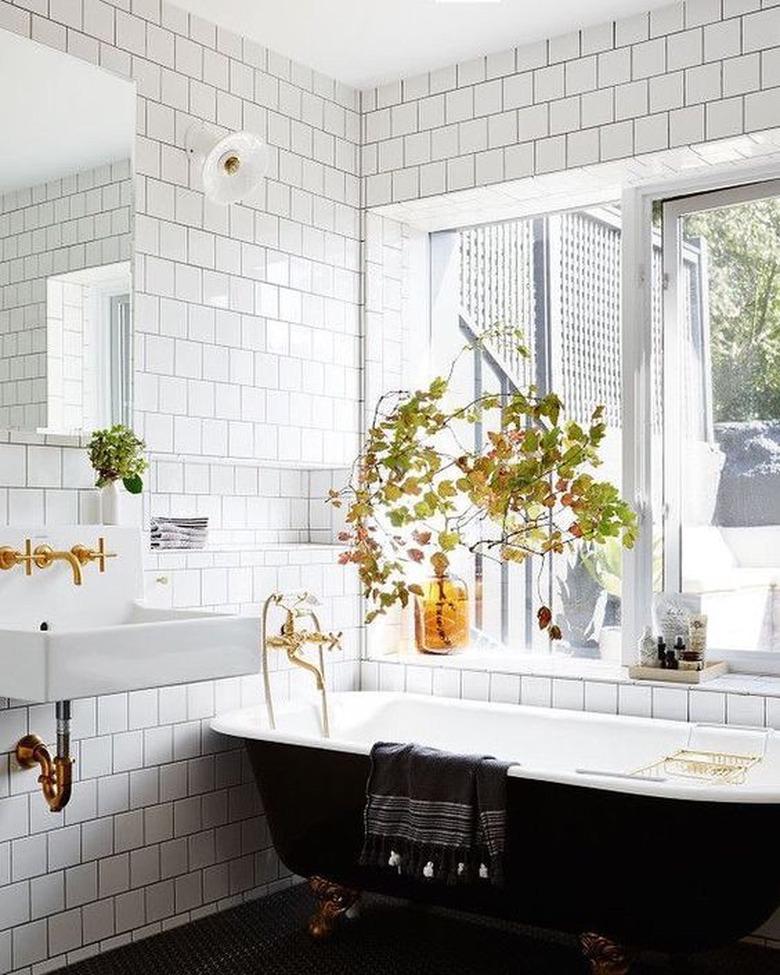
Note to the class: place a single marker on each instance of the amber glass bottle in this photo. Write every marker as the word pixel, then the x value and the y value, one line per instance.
pixel 441 614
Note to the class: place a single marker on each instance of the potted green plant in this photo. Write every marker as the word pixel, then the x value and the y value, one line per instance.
pixel 116 454
pixel 418 493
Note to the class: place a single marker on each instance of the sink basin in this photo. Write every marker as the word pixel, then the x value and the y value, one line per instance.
pixel 149 648
pixel 101 638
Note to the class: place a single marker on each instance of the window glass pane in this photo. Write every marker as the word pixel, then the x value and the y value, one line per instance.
pixel 557 278
pixel 730 421
pixel 585 371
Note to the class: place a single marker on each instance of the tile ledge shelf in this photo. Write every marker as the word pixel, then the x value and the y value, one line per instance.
pixel 249 547
pixel 535 665
pixel 34 438
pixel 267 462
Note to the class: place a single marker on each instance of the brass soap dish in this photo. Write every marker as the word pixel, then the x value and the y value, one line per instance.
pixel 690 763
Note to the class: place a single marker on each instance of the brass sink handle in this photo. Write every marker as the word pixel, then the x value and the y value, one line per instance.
pixel 86 555
pixel 45 555
pixel 11 557
pixel 56 778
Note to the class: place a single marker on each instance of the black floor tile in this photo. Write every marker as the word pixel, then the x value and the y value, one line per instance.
pixel 269 937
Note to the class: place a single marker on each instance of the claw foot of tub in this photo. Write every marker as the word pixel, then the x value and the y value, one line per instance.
pixel 605 957
pixel 333 902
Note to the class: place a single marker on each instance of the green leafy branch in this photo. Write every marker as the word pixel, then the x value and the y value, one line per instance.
pixel 415 495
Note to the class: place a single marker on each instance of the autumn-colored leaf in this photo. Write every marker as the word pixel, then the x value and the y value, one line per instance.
pixel 449 540
pixel 554 632
pixel 544 617
pixel 417 479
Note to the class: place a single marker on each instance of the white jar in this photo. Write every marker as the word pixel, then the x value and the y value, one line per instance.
pixel 648 650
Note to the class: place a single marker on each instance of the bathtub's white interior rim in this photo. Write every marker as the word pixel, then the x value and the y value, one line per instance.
pixel 599 751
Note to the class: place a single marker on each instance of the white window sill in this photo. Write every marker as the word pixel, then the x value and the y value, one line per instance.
pixel 572 668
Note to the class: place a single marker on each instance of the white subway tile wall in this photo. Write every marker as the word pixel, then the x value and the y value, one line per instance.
pixel 247 386
pixel 679 75
pixel 164 824
pixel 81 220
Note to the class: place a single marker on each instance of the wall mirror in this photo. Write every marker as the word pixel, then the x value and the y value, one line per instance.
pixel 66 206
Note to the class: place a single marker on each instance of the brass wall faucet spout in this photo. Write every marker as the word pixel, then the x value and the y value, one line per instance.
pixel 45 555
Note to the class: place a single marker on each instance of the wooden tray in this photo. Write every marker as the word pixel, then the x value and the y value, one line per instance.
pixel 638 672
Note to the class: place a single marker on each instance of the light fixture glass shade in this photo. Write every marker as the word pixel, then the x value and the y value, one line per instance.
pixel 232 165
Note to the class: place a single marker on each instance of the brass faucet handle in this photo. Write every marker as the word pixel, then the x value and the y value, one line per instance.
pixel 86 555
pixel 278 642
pixel 330 640
pixel 334 640
pixel 11 557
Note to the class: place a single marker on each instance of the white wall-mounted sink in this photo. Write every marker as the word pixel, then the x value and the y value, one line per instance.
pixel 100 638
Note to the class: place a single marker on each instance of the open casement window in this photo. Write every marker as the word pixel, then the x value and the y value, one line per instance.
pixel 557 278
pixel 719 370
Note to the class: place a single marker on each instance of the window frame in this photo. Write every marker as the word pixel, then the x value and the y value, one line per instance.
pixel 749 179
pixel 672 523
pixel 731 184
pixel 445 307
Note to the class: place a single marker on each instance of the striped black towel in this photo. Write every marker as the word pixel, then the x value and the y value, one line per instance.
pixel 431 814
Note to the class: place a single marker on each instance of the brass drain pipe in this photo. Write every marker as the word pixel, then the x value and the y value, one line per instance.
pixel 56 778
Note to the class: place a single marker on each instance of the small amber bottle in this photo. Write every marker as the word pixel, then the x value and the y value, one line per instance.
pixel 441 614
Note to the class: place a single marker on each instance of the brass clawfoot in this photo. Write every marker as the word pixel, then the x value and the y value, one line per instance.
pixel 56 776
pixel 605 957
pixel 333 901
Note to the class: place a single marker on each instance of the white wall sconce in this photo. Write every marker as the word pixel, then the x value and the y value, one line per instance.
pixel 232 166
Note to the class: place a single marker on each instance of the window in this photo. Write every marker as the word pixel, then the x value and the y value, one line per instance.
pixel 88 348
pixel 118 350
pixel 721 380
pixel 557 277
pixel 690 378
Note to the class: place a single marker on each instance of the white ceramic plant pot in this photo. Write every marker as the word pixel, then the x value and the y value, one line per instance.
pixel 111 504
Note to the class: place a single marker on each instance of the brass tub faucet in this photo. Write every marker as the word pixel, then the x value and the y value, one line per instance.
pixel 297 605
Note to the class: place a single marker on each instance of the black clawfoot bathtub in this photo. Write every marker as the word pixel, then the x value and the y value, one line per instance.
pixel 652 861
